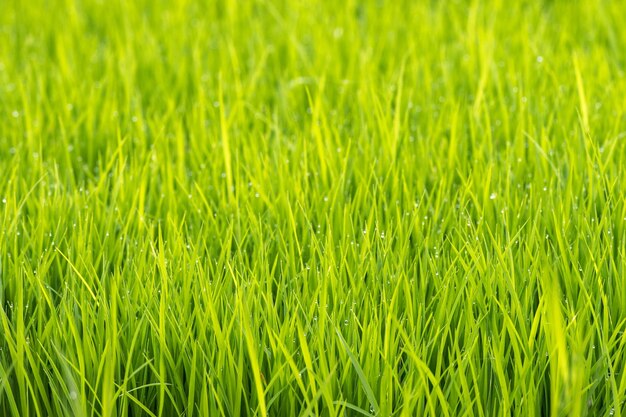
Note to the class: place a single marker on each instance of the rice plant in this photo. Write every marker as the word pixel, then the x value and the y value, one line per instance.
pixel 312 208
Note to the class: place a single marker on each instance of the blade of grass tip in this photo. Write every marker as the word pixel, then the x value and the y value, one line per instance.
pixel 369 393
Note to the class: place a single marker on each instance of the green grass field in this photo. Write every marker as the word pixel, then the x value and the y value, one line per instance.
pixel 303 208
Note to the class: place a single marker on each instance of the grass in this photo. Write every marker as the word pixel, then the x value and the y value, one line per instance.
pixel 274 207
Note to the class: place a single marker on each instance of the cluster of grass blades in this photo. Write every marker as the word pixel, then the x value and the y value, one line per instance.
pixel 284 208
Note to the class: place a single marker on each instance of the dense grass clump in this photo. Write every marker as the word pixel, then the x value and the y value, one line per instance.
pixel 334 208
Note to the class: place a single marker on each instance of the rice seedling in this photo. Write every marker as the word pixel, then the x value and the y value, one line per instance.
pixel 276 208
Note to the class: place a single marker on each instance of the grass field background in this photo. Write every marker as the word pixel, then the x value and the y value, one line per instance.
pixel 335 208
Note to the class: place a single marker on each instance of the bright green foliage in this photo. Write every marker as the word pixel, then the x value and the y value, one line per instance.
pixel 335 208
